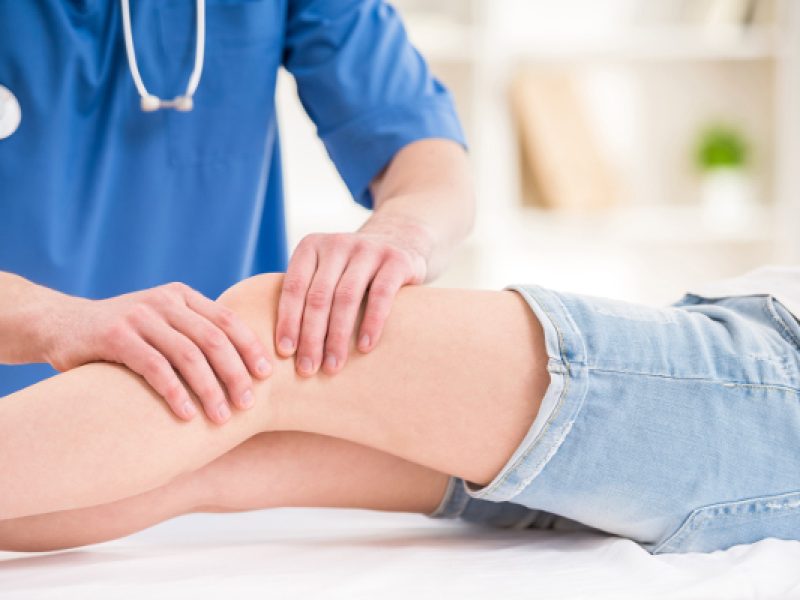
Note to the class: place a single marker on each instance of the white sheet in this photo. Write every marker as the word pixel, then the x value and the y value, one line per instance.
pixel 352 554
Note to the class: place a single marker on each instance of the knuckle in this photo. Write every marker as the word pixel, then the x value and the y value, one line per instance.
pixel 346 294
pixel 381 291
pixel 307 245
pixel 190 355
pixel 392 253
pixel 158 296
pixel 214 339
pixel 176 287
pixel 340 239
pixel 363 246
pixel 173 391
pixel 318 298
pixel 292 286
pixel 309 239
pixel 138 314
pixel 397 260
pixel 153 365
pixel 226 316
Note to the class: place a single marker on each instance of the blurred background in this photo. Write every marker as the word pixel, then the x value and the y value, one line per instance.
pixel 623 148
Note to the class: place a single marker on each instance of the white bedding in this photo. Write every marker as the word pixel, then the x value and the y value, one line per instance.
pixel 300 553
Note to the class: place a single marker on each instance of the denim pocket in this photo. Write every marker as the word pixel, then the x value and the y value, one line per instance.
pixel 720 526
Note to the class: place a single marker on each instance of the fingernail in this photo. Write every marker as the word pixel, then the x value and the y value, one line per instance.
pixel 263 367
pixel 306 365
pixel 330 361
pixel 286 345
pixel 223 412
pixel 364 343
pixel 188 409
pixel 247 399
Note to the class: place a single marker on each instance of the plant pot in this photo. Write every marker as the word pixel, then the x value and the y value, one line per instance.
pixel 728 200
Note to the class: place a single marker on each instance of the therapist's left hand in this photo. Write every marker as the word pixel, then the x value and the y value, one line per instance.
pixel 328 277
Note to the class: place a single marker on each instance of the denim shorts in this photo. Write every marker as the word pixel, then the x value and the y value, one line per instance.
pixel 676 427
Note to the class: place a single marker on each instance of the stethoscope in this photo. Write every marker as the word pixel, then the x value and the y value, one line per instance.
pixel 149 102
pixel 11 113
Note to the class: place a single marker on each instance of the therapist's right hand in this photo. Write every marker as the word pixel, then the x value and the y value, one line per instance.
pixel 159 333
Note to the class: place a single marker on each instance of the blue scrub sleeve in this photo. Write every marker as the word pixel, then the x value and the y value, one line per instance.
pixel 364 85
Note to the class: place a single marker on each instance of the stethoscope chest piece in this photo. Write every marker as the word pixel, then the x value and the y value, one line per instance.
pixel 10 113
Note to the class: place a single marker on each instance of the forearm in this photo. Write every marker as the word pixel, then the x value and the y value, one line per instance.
pixel 24 316
pixel 426 196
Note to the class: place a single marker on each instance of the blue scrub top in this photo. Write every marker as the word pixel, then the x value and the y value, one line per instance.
pixel 98 198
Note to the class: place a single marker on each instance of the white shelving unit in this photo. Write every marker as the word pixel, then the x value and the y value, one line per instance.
pixel 648 249
pixel 788 133
pixel 653 230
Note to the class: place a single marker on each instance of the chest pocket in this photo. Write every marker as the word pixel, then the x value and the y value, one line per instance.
pixel 233 113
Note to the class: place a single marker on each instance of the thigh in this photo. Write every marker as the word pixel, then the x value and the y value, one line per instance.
pixel 678 427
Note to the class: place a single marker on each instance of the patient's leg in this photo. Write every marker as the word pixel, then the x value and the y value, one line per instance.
pixel 453 385
pixel 268 470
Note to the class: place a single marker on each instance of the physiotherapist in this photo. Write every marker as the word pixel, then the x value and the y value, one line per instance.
pixel 139 147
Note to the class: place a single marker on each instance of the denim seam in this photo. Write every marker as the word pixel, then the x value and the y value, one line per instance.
pixel 564 362
pixel 723 382
pixel 786 333
pixel 700 517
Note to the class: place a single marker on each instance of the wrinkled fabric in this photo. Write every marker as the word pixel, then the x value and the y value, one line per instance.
pixel 676 427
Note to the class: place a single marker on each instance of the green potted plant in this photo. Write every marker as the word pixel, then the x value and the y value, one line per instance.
pixel 727 197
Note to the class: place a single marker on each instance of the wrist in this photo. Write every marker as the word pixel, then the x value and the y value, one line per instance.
pixel 408 232
pixel 49 318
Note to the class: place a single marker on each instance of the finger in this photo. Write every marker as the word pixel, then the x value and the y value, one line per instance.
pixel 186 358
pixel 219 351
pixel 293 296
pixel 389 279
pixel 317 309
pixel 148 362
pixel 245 342
pixel 346 301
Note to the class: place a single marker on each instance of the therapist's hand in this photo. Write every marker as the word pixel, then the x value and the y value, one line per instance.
pixel 328 277
pixel 159 333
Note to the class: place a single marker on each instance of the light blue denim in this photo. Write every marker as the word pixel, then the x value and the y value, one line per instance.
pixel 676 427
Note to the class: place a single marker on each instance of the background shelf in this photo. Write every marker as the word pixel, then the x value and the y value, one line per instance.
pixel 650 79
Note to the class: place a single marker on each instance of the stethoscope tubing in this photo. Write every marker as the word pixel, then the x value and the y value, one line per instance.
pixel 148 101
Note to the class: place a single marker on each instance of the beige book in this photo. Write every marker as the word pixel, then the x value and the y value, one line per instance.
pixel 562 163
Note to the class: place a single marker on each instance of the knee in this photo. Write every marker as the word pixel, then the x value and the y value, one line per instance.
pixel 253 289
pixel 255 300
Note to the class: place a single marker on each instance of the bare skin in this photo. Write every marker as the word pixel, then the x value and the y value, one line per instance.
pixel 269 470
pixel 453 388
pixel 424 206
